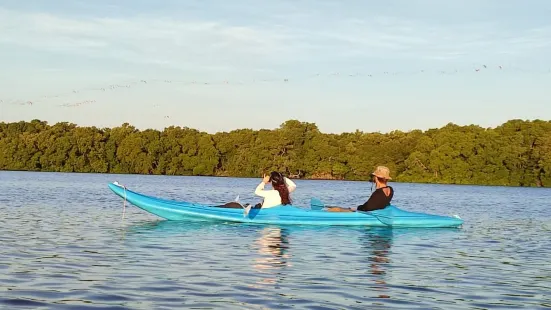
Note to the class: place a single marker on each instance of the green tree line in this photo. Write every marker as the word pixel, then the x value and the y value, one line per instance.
pixel 516 153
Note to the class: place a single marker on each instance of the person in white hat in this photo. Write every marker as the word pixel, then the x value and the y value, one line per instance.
pixel 379 199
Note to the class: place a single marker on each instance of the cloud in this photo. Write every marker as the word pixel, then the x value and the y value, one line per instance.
pixel 292 36
pixel 140 39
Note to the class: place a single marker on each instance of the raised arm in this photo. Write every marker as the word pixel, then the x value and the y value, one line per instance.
pixel 259 191
pixel 290 185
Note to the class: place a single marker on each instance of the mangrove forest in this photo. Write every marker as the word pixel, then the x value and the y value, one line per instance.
pixel 516 153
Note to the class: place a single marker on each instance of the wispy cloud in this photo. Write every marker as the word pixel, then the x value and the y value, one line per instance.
pixel 135 39
pixel 294 35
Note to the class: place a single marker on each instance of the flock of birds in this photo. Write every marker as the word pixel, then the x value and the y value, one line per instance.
pixel 66 102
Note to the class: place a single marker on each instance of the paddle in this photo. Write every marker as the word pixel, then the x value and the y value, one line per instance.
pixel 246 208
pixel 317 204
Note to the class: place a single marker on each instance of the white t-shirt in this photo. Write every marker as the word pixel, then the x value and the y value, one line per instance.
pixel 271 197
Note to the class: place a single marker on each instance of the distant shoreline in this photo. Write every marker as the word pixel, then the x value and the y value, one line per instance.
pixel 515 154
pixel 253 178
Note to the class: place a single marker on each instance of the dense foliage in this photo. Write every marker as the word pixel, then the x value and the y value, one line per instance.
pixel 516 153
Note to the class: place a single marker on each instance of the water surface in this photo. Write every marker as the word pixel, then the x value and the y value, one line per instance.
pixel 65 245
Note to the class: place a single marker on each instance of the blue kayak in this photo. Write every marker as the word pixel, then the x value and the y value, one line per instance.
pixel 390 216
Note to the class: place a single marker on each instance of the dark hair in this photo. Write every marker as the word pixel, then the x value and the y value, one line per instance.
pixel 278 183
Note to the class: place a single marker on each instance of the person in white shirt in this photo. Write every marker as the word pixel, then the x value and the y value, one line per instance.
pixel 280 194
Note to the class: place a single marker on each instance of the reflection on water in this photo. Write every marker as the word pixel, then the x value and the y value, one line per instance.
pixel 273 246
pixel 376 243
pixel 64 246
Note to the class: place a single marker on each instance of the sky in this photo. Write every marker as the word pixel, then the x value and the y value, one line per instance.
pixel 217 65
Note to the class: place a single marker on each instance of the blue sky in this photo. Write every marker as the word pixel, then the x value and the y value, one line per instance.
pixel 223 65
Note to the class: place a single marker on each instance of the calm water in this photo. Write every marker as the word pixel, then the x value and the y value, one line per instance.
pixel 64 245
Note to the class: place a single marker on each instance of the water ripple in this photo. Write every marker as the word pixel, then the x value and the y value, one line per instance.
pixel 65 246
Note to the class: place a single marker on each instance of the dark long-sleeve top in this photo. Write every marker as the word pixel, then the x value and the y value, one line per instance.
pixel 378 200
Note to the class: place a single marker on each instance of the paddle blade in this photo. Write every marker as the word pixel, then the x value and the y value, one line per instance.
pixel 316 204
pixel 246 210
pixel 237 198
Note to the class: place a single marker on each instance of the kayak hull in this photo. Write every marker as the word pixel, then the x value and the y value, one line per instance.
pixel 391 216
